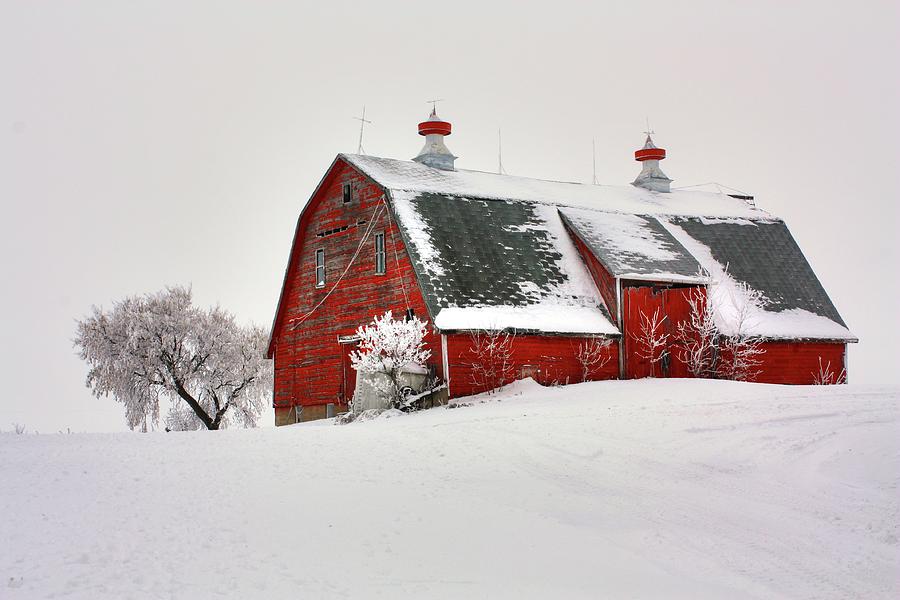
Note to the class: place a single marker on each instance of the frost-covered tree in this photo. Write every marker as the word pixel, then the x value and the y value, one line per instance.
pixel 740 350
pixel 827 376
pixel 492 364
pixel 698 336
pixel 389 346
pixel 593 355
pixel 160 346
pixel 651 339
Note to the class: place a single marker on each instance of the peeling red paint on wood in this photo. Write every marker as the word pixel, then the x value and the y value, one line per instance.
pixel 309 360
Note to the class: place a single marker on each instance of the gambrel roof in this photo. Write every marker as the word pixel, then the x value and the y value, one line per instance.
pixel 493 251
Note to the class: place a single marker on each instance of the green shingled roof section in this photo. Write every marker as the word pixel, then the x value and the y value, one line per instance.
pixel 766 257
pixel 619 262
pixel 487 249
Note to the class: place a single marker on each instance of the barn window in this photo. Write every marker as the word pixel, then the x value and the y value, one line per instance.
pixel 320 268
pixel 348 193
pixel 380 262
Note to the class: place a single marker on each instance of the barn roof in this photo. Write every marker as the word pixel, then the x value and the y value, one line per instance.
pixel 633 246
pixel 485 264
pixel 414 177
pixel 491 251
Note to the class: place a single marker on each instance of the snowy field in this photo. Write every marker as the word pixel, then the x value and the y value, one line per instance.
pixel 648 489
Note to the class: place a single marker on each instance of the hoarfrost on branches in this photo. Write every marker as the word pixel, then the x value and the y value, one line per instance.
pixel 827 376
pixel 651 339
pixel 698 336
pixel 161 346
pixel 593 355
pixel 389 346
pixel 492 364
pixel 740 351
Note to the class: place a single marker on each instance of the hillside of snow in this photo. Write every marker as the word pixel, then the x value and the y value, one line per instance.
pixel 647 489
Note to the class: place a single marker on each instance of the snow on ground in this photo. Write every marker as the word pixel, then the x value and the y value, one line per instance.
pixel 647 489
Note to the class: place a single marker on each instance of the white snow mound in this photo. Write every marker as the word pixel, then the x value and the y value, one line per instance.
pixel 640 489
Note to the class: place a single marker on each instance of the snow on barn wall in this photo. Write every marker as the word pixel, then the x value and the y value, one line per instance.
pixel 311 366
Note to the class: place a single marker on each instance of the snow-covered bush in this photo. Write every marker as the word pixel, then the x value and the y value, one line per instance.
pixel 593 355
pixel 491 363
pixel 387 349
pixel 740 350
pixel 698 336
pixel 826 376
pixel 722 346
pixel 651 339
pixel 160 346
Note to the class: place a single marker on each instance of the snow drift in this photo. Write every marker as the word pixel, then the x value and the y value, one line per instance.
pixel 648 489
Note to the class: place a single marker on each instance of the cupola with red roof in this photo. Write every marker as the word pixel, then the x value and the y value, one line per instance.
pixel 651 176
pixel 435 153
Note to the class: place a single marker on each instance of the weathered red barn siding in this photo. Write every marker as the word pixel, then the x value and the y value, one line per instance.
pixel 672 303
pixel 549 359
pixel 604 280
pixel 798 362
pixel 309 361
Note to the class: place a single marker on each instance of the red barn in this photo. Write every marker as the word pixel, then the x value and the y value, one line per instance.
pixel 560 264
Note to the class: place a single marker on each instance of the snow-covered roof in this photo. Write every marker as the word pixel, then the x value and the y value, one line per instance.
pixel 414 177
pixel 486 264
pixel 633 246
pixel 763 256
pixel 492 251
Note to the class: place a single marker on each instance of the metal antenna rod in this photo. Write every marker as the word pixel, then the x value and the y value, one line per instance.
pixel 500 153
pixel 649 131
pixel 433 104
pixel 362 123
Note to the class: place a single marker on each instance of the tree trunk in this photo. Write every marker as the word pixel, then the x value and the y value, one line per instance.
pixel 195 406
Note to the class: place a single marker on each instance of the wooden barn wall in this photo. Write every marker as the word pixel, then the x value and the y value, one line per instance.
pixel 308 357
pixel 798 362
pixel 604 280
pixel 672 303
pixel 548 359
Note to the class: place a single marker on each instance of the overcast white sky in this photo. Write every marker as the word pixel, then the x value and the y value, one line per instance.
pixel 152 143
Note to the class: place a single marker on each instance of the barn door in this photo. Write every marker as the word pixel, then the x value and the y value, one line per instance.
pixel 639 306
pixel 348 373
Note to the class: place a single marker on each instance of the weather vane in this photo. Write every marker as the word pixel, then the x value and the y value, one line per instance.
pixel 362 123
pixel 649 131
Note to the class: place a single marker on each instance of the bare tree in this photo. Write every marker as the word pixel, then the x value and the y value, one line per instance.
pixel 593 355
pixel 698 336
pixel 160 346
pixel 652 339
pixel 740 351
pixel 18 428
pixel 492 364
pixel 826 376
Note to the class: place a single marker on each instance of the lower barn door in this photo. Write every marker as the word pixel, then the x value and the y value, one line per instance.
pixel 348 381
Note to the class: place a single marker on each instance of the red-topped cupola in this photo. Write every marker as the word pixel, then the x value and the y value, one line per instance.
pixel 435 153
pixel 651 176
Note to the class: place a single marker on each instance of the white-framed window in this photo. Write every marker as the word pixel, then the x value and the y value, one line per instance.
pixel 380 255
pixel 320 267
pixel 348 193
